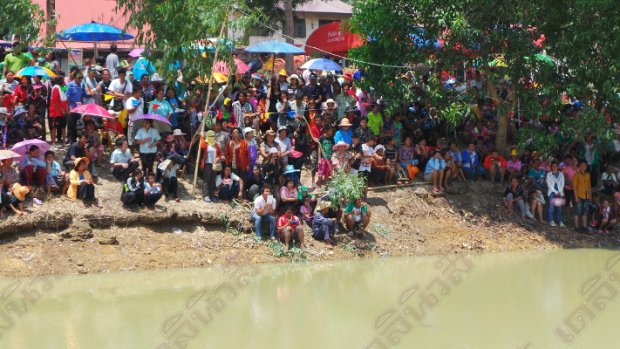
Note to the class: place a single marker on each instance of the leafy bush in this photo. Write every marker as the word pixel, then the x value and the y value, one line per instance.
pixel 344 187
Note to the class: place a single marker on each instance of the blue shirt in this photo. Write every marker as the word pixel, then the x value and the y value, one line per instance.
pixel 74 94
pixel 344 136
pixel 28 160
pixel 435 165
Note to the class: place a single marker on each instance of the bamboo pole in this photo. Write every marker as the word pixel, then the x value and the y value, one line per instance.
pixel 207 106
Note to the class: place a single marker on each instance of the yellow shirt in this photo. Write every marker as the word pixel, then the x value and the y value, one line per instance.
pixel 74 181
pixel 581 185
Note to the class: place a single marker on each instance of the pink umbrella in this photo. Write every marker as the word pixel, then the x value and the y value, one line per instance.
pixel 136 52
pixel 221 67
pixel 242 68
pixel 94 110
pixel 22 147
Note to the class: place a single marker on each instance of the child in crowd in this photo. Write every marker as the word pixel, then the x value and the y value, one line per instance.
pixel 55 178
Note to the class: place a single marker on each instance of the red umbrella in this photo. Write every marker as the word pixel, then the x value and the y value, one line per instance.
pixel 94 110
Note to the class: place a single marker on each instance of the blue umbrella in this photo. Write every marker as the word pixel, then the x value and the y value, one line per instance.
pixel 33 70
pixel 321 64
pixel 274 46
pixel 92 32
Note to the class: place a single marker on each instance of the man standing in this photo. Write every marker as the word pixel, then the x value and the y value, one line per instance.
pixel 583 194
pixel 111 62
pixel 121 89
pixel 74 95
pixel 240 108
pixel 16 60
pixel 90 86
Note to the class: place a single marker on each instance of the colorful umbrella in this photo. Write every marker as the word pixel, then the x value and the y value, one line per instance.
pixel 92 32
pixel 6 154
pixel 160 123
pixel 321 64
pixel 94 110
pixel 274 46
pixel 136 52
pixel 23 146
pixel 34 70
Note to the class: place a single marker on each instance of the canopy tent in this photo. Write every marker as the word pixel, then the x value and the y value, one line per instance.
pixel 331 38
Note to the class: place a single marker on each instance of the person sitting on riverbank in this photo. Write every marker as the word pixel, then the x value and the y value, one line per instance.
pixel 471 163
pixel 152 191
pixel 357 215
pixel 122 161
pixel 264 210
pixel 133 190
pixel 323 228
pixel 32 170
pixel 55 177
pixel 229 185
pixel 81 183
pixel 435 168
pixel 495 164
pixel 513 165
pixel 290 229
pixel 514 197
pixel 167 175
pixel 15 200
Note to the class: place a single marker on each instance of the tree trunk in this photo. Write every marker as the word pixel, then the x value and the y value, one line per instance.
pixel 288 31
pixel 50 17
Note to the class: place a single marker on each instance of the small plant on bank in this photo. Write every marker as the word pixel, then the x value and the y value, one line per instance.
pixel 344 188
pixel 381 230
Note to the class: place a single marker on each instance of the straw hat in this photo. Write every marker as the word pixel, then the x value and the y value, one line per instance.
pixel 323 205
pixel 211 137
pixel 293 76
pixel 20 191
pixel 340 144
pixel 282 128
pixel 330 100
pixel 79 160
pixel 178 132
pixel 345 123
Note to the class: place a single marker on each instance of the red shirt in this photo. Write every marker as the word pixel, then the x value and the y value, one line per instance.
pixel 283 221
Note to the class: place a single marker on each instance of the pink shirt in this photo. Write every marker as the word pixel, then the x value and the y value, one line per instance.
pixel 569 172
pixel 286 193
pixel 514 165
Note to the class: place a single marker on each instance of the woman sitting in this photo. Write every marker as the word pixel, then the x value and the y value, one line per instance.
pixel 229 185
pixel 32 170
pixel 81 183
pixel 167 175
pixel 288 194
pixel 14 200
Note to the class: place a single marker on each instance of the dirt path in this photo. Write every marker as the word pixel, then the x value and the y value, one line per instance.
pixel 62 237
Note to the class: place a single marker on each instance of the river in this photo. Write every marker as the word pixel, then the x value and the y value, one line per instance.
pixel 556 299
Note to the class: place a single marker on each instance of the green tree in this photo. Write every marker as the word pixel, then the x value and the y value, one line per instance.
pixel 481 31
pixel 22 18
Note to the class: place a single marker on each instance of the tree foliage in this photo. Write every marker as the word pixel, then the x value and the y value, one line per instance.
pixel 22 18
pixel 178 30
pixel 580 35
pixel 344 187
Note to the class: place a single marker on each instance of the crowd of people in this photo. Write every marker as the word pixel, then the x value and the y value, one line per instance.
pixel 261 131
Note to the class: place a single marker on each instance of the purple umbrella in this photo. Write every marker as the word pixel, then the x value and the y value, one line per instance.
pixel 160 123
pixel 23 146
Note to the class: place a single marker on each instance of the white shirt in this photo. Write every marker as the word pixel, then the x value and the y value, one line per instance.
pixel 164 164
pixel 139 109
pixel 555 183
pixel 124 88
pixel 111 62
pixel 260 203
pixel 118 157
pixel 149 147
pixel 233 176
pixel 211 154
pixel 366 163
